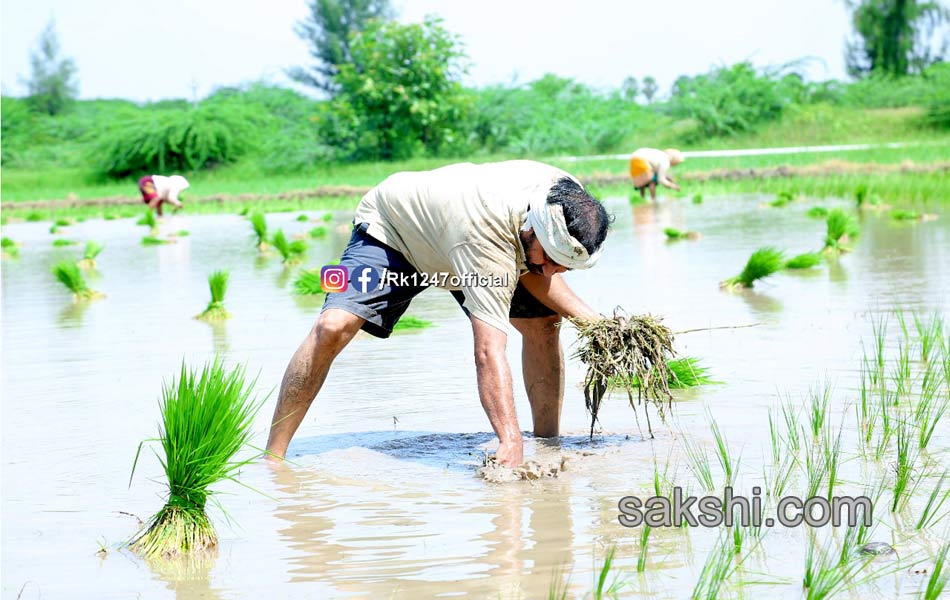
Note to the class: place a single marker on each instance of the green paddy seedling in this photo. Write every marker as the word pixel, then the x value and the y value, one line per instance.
pixel 699 463
pixel 88 260
pixel 817 212
pixel 931 406
pixel 68 273
pixel 9 247
pixel 729 464
pixel 899 214
pixel 291 252
pixel 259 224
pixel 302 218
pixel 940 575
pixel 782 199
pixel 63 243
pixel 697 198
pixel 318 232
pixel 206 419
pixel 717 568
pixel 904 471
pixel 861 195
pixel 931 514
pixel 218 284
pixel 763 262
pixel 673 235
pixel 410 323
pixel 685 372
pixel 804 261
pixel 842 228
pixel 34 217
pixel 327 217
pixel 148 220
pixel 151 240
pixel 644 544
pixel 929 334
pixel 308 283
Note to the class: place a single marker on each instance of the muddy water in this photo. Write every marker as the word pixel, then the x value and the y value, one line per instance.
pixel 381 499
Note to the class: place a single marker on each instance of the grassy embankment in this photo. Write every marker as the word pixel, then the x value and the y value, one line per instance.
pixel 244 186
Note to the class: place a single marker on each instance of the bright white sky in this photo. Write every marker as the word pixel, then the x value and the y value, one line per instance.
pixel 125 49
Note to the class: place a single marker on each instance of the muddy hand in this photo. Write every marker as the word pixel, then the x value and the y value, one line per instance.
pixel 510 454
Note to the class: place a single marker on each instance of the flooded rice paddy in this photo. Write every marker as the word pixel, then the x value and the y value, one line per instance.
pixel 382 499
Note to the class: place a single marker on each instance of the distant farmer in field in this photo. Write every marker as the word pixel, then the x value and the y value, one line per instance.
pixel 498 236
pixel 649 167
pixel 158 189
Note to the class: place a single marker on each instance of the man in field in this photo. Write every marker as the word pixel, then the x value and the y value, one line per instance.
pixel 650 167
pixel 159 189
pixel 497 235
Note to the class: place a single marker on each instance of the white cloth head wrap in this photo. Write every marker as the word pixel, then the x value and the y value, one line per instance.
pixel 547 221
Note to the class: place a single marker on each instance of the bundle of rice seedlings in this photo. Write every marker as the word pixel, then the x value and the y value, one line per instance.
pixel 182 233
pixel 148 219
pixel 62 223
pixel 685 373
pixel 327 217
pixel 151 240
pixel 53 229
pixel 861 195
pixel 763 262
pixel 817 212
pixel 675 234
pixel 783 198
pixel 308 283
pixel 409 323
pixel 259 223
pixel 842 228
pixel 69 274
pixel 218 284
pixel 61 243
pixel 697 199
pixel 9 247
pixel 625 349
pixel 318 232
pixel 899 214
pixel 291 252
pixel 33 217
pixel 302 218
pixel 803 261
pixel 88 261
pixel 206 420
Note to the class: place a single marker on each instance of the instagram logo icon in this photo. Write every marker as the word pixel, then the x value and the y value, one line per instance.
pixel 333 278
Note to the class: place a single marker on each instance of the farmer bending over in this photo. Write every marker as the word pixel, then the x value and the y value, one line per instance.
pixel 649 167
pixel 522 223
pixel 158 189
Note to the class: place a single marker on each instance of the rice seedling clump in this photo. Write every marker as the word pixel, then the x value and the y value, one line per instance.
pixel 302 218
pixel 625 349
pixel 817 212
pixel 318 232
pixel 291 252
pixel 308 283
pixel 61 243
pixel 697 199
pixel 783 198
pixel 259 224
pixel 409 323
pixel 685 373
pixel 763 262
pixel 899 214
pixel 841 229
pixel 218 284
pixel 676 234
pixel 804 261
pixel 88 261
pixel 9 247
pixel 151 240
pixel 148 219
pixel 68 273
pixel 206 420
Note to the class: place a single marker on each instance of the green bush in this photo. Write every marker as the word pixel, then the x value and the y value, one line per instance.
pixel 731 100
pixel 176 140
pixel 938 100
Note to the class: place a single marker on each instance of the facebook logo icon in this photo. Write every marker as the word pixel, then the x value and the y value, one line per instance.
pixel 364 278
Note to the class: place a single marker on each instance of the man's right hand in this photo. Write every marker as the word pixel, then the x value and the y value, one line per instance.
pixel 511 454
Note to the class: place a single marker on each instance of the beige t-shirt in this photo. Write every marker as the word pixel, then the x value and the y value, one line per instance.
pixel 461 219
pixel 658 160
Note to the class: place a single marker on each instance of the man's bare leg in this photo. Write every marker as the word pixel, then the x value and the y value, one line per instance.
pixel 306 373
pixel 542 363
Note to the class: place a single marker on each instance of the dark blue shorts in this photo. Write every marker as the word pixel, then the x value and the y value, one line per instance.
pixel 383 307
